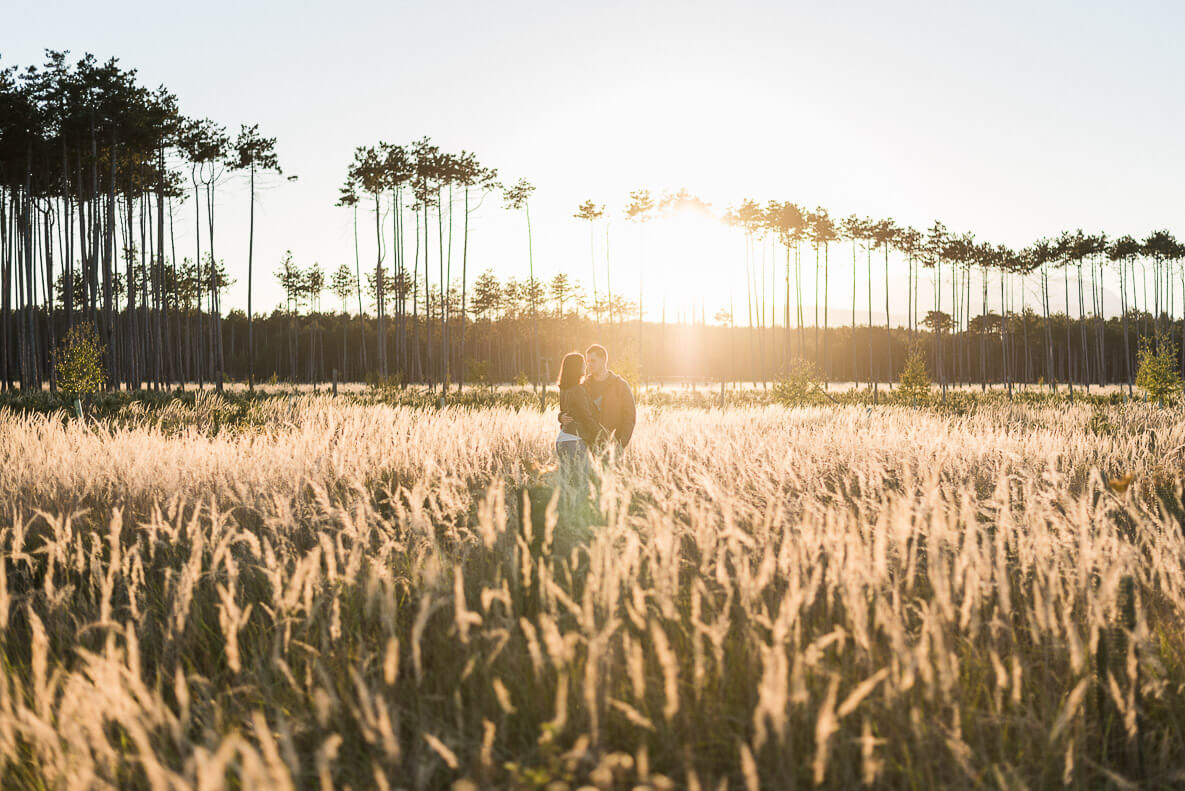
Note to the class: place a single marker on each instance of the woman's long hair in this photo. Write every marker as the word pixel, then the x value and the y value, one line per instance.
pixel 571 369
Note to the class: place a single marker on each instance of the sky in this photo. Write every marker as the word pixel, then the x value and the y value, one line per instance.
pixel 1011 120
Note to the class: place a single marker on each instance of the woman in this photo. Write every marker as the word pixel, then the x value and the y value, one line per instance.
pixel 573 442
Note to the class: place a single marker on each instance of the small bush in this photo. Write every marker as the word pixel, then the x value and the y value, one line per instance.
pixel 79 362
pixel 799 385
pixel 1100 424
pixel 383 384
pixel 1157 373
pixel 915 379
pixel 477 372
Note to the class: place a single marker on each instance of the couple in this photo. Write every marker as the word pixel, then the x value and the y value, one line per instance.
pixel 596 407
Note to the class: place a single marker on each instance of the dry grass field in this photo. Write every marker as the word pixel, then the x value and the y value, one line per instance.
pixel 329 594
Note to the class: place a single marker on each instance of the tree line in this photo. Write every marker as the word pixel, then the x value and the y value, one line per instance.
pixel 1023 341
pixel 971 265
pixel 95 169
pixel 309 338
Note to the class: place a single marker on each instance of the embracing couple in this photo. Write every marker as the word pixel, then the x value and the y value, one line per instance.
pixel 596 407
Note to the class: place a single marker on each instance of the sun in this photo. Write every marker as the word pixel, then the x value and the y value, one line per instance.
pixel 686 260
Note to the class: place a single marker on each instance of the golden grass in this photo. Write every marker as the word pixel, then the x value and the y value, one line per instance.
pixel 339 594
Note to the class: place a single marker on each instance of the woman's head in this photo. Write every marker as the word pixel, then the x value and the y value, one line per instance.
pixel 571 369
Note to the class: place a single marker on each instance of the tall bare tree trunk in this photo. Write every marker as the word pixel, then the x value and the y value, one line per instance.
pixel 5 293
pixel 465 285
pixel 888 327
pixel 1005 373
pixel 250 281
pixel 358 286
pixel 873 378
pixel 108 256
pixel 1069 350
pixel 534 307
pixel 826 339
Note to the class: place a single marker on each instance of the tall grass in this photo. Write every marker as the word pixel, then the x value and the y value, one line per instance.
pixel 320 593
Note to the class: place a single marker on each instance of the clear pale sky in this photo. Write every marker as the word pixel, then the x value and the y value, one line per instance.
pixel 1012 120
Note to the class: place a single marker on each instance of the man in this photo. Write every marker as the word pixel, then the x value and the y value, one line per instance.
pixel 610 394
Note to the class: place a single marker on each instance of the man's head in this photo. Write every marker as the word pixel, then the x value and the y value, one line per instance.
pixel 597 360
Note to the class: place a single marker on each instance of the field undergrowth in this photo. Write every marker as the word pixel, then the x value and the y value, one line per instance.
pixel 316 592
pixel 236 399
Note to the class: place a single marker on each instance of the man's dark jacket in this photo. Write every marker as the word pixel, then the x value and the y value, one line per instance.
pixel 615 403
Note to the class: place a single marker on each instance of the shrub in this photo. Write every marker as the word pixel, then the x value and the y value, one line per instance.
pixel 915 379
pixel 477 372
pixel 79 362
pixel 1100 424
pixel 383 385
pixel 798 385
pixel 1157 372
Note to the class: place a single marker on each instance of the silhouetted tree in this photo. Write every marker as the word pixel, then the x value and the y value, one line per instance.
pixel 255 154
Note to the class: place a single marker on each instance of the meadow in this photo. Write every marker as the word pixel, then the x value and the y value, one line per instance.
pixel 309 592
